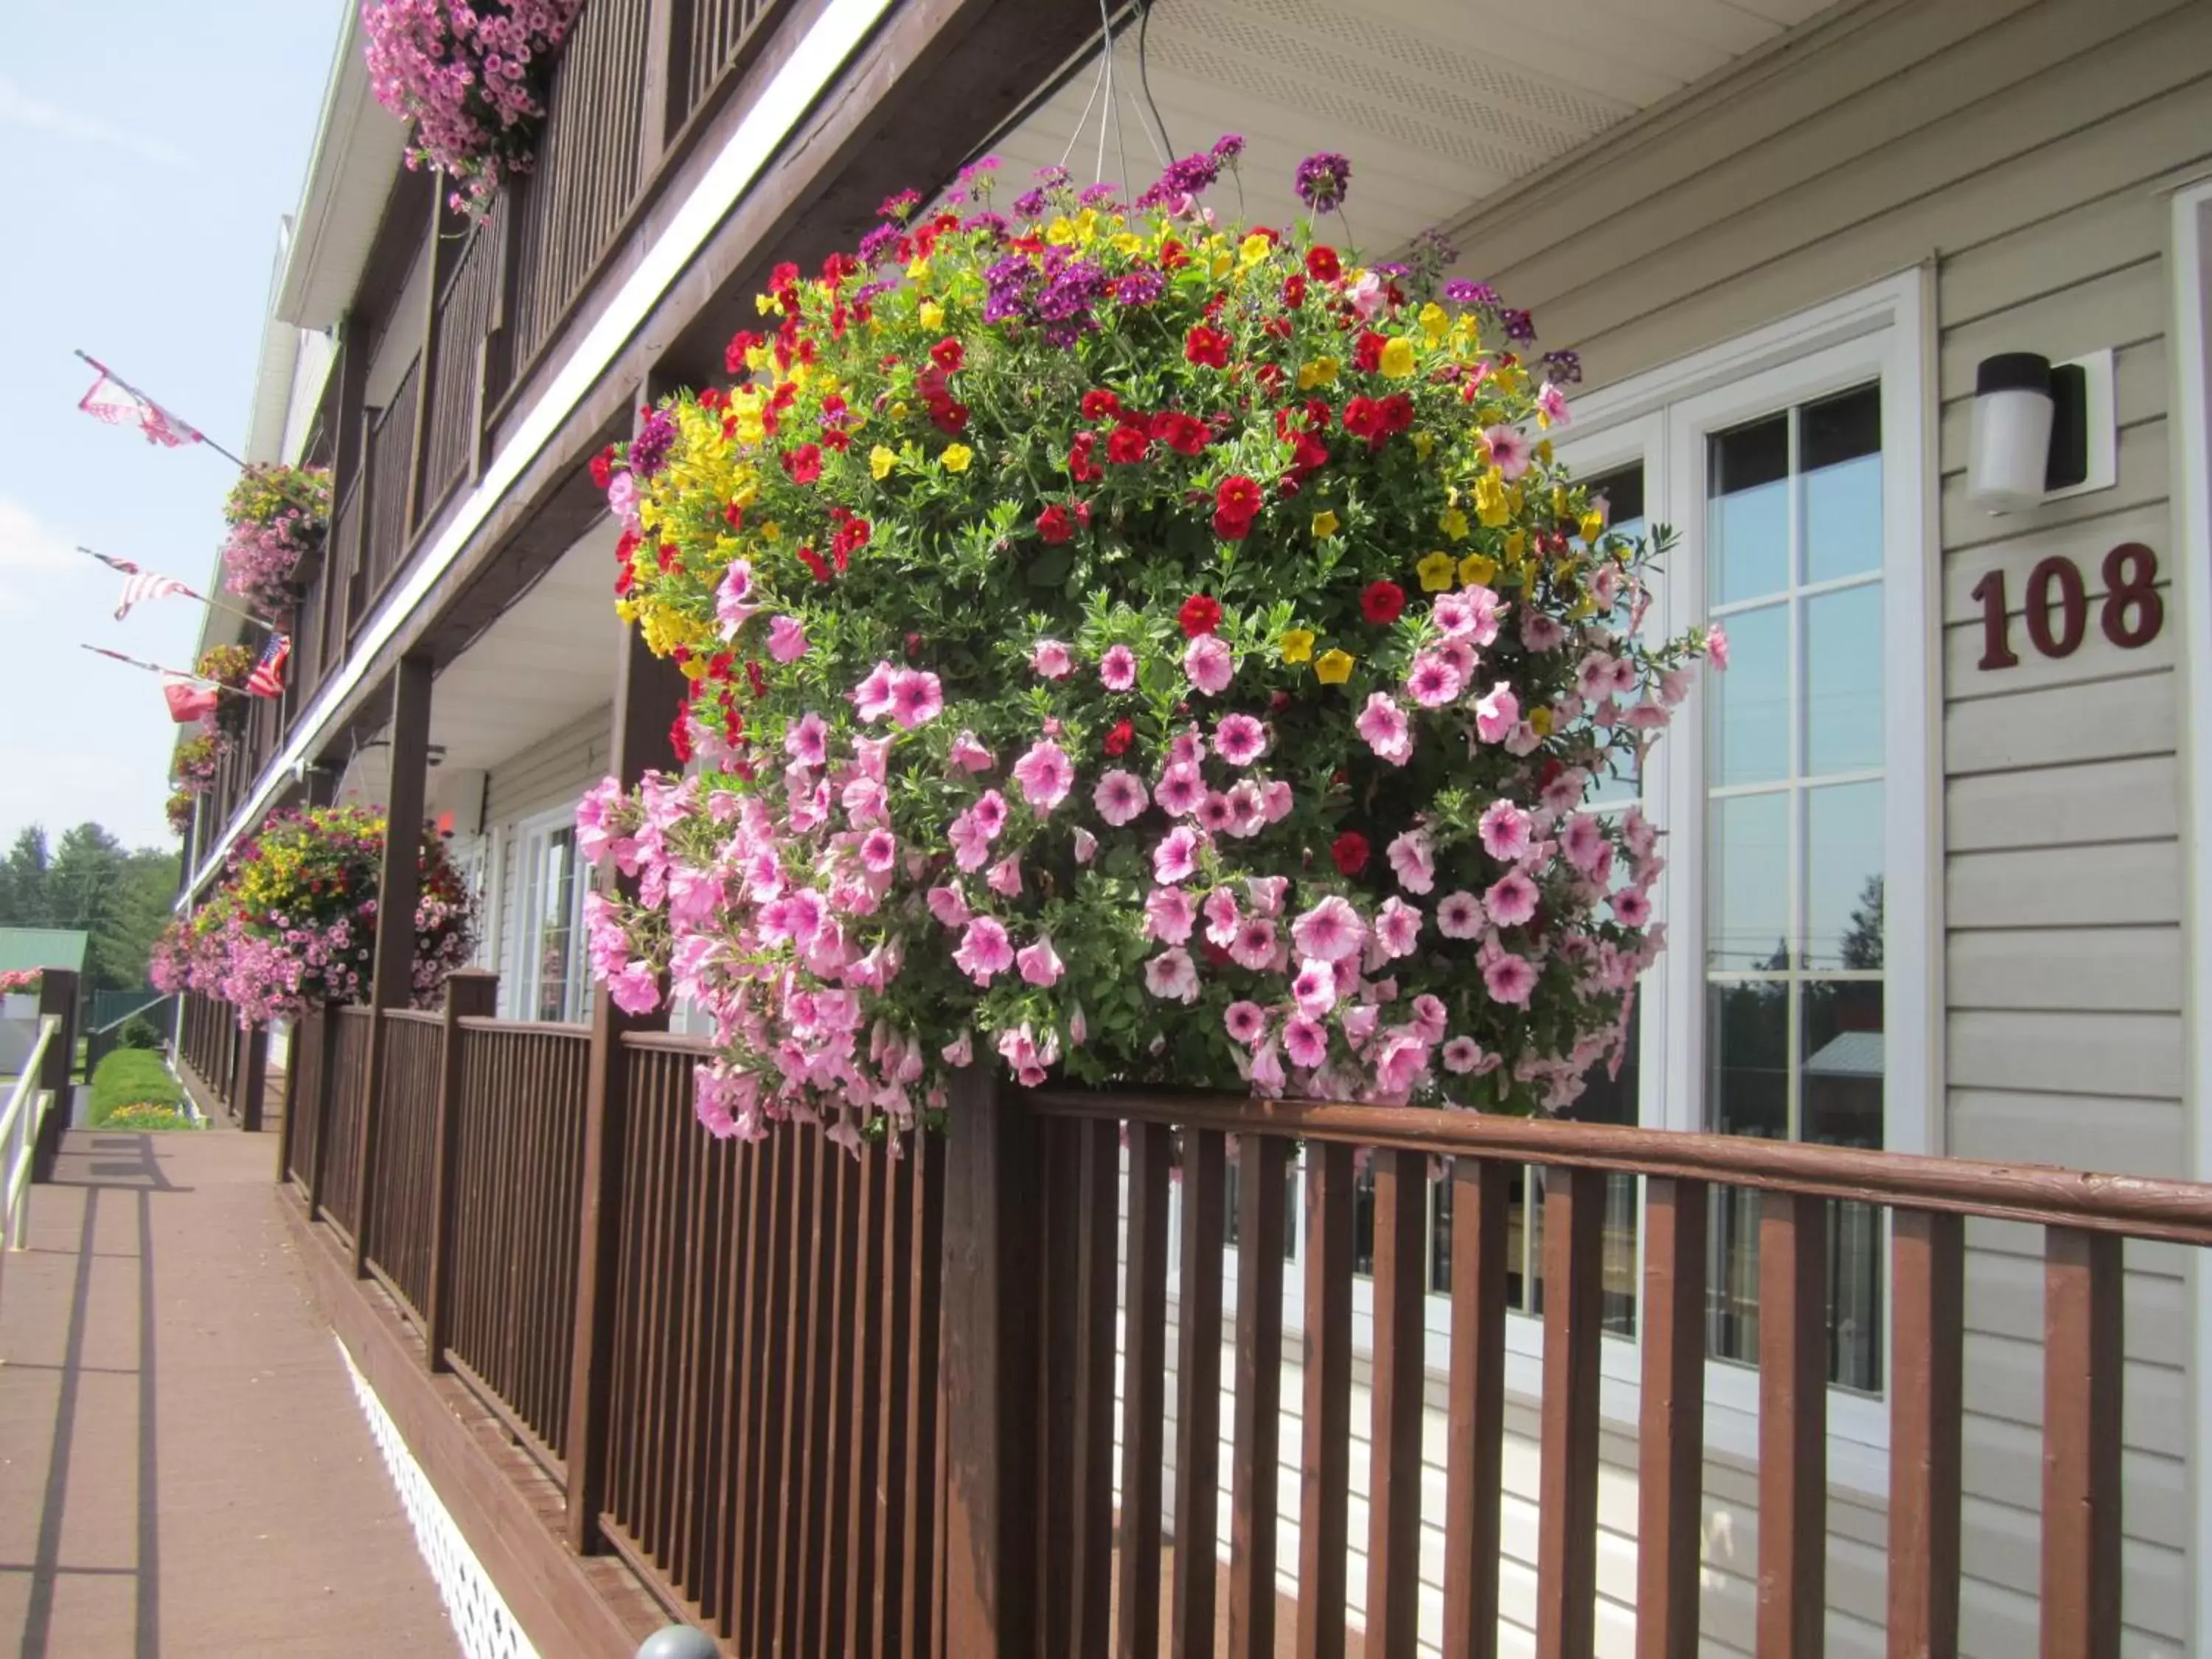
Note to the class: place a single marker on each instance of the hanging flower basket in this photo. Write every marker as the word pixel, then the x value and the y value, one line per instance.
pixel 21 982
pixel 192 766
pixel 1131 649
pixel 294 921
pixel 178 810
pixel 471 78
pixel 279 519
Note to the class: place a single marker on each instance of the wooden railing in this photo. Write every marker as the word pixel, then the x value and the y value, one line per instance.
pixel 336 1185
pixel 387 471
pixel 518 1175
pixel 875 1402
pixel 464 318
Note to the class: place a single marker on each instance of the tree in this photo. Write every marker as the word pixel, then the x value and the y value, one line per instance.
pixel 93 884
pixel 1861 946
pixel 23 901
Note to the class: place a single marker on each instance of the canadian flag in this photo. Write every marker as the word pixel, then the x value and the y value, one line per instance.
pixel 189 700
pixel 118 404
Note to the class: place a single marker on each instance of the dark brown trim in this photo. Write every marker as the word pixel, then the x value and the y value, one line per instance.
pixel 590 1609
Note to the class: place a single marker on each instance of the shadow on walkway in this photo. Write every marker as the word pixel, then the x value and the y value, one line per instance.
pixel 183 1469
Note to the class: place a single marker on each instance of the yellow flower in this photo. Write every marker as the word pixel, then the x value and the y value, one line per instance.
pixel 1478 570
pixel 1321 371
pixel 1593 524
pixel 1298 644
pixel 770 531
pixel 1252 249
pixel 1222 262
pixel 1436 572
pixel 1436 321
pixel 1490 503
pixel 764 303
pixel 880 463
pixel 1540 721
pixel 1544 451
pixel 1453 523
pixel 1324 523
pixel 932 314
pixel 918 269
pixel 1061 232
pixel 899 410
pixel 1333 668
pixel 1516 544
pixel 1398 358
pixel 1424 441
pixel 955 458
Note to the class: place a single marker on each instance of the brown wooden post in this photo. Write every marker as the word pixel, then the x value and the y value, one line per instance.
pixel 470 993
pixel 426 363
pixel 253 1075
pixel 657 117
pixel 392 985
pixel 56 997
pixel 987 1374
pixel 2084 1338
pixel 647 692
pixel 326 1077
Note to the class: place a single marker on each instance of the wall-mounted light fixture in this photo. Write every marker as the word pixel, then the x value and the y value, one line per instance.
pixel 2042 430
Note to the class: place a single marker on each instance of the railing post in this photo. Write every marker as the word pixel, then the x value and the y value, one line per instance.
pixel 987 1373
pixel 647 691
pixel 657 115
pixel 253 1076
pixel 56 997
pixel 471 993
pixel 399 882
pixel 326 1077
pixel 295 1048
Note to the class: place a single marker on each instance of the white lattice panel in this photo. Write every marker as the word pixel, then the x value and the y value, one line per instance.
pixel 482 1622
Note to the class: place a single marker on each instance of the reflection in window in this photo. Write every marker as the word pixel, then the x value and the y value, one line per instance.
pixel 555 942
pixel 1795 837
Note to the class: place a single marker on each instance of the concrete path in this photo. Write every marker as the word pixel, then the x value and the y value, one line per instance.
pixel 183 1468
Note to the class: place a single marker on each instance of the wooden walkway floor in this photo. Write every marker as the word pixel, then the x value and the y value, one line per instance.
pixel 183 1468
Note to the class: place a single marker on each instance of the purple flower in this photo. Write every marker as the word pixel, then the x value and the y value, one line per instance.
pixel 1228 147
pixel 877 245
pixel 1519 325
pixel 1141 288
pixel 1563 368
pixel 1461 292
pixel 648 451
pixel 1322 181
pixel 1030 203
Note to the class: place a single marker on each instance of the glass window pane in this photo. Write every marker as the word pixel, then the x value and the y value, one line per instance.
pixel 1841 1076
pixel 1748 883
pixel 1751 701
pixel 1839 449
pixel 1843 680
pixel 1748 486
pixel 1747 1058
pixel 1844 845
pixel 557 903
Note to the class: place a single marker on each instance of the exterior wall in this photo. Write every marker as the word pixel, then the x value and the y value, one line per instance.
pixel 311 370
pixel 545 776
pixel 2026 150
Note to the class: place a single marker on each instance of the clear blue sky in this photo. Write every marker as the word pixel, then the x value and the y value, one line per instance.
pixel 146 156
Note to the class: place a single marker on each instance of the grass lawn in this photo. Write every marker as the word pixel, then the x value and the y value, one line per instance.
pixel 132 1090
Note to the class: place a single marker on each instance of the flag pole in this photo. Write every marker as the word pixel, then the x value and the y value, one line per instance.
pixel 104 369
pixel 264 625
pixel 156 668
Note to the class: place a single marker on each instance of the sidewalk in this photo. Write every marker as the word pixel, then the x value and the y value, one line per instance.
pixel 183 1468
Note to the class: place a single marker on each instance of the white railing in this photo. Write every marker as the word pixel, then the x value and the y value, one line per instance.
pixel 27 1109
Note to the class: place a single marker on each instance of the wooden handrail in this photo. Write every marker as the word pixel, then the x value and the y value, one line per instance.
pixel 2137 1207
pixel 488 1024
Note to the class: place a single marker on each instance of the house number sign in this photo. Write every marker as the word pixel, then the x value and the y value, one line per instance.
pixel 2057 610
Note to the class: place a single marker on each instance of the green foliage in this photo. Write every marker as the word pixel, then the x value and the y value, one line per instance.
pixel 139 1032
pixel 131 1077
pixel 93 884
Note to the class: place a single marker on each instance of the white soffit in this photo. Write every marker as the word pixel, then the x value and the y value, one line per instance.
pixel 1438 105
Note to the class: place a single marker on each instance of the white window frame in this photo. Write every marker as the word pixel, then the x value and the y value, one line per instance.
pixel 1660 419
pixel 532 836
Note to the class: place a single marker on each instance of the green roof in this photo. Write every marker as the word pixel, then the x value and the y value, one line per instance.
pixel 42 947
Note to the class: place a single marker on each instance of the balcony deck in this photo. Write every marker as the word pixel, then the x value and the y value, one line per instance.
pixel 186 1471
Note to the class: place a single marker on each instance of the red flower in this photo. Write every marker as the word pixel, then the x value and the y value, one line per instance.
pixel 1383 603
pixel 931 386
pixel 1350 850
pixel 1363 418
pixel 803 464
pixel 625 544
pixel 851 535
pixel 734 516
pixel 1172 256
pixel 1207 347
pixel 679 736
pixel 1200 614
pixel 1236 504
pixel 1099 405
pixel 1367 351
pixel 1053 523
pixel 1117 741
pixel 948 354
pixel 1080 466
pixel 1322 265
pixel 1128 446
pixel 1184 434
pixel 1294 289
pixel 623 577
pixel 733 355
pixel 949 416
pixel 1397 413
pixel 603 466
pixel 755 678
pixel 815 563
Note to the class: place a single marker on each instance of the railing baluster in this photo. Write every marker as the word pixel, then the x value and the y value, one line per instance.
pixel 1261 1163
pixel 1574 1290
pixel 1060 1160
pixel 1394 1509
pixel 1671 1428
pixel 1927 1322
pixel 865 1356
pixel 1144 1392
pixel 1474 1452
pixel 1098 1231
pixel 1325 1496
pixel 2083 1336
pixel 1198 1395
pixel 1793 1425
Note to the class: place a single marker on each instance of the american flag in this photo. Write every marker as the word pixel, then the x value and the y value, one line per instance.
pixel 140 584
pixel 267 679
pixel 118 404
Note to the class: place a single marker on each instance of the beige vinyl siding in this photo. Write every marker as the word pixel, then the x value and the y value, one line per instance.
pixel 547 775
pixel 2024 150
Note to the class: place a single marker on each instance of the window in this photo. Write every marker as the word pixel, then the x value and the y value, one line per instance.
pixel 549 937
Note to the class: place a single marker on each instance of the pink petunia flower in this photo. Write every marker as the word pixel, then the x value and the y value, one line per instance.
pixel 1268 1077
pixel 961 1051
pixel 878 850
pixel 1433 680
pixel 917 697
pixel 872 697
pixel 1254 947
pixel 985 952
pixel 1169 915
pixel 787 639
pixel 1331 931
pixel 1583 841
pixel 1276 796
pixel 1050 660
pixel 1086 846
pixel 1306 1041
pixel 1239 739
pixel 1382 724
pixel 1716 646
pixel 1397 928
pixel 1314 989
pixel 1246 1022
pixel 1180 790
pixel 1429 1018
pixel 806 740
pixel 1506 831
pixel 1046 775
pixel 1172 977
pixel 1039 965
pixel 1120 796
pixel 1462 1054
pixel 636 988
pixel 967 753
pixel 1510 979
pixel 1266 893
pixel 1541 633
pixel 1458 915
pixel 1222 919
pixel 1510 899
pixel 1118 668
pixel 1632 907
pixel 1509 450
pixel 732 597
pixel 1412 861
pixel 1005 878
pixel 949 904
pixel 1209 664
pixel 1494 716
pixel 1215 815
pixel 990 811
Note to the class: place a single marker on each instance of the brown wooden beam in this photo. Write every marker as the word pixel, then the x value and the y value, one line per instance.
pixel 469 993
pixel 253 1075
pixel 399 884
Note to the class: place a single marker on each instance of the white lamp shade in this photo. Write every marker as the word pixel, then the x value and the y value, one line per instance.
pixel 2011 450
